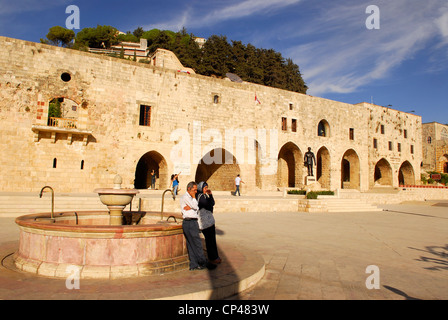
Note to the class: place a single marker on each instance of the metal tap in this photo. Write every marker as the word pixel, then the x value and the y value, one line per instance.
pixel 52 199
pixel 163 200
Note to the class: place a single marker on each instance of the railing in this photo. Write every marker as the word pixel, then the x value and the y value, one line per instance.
pixel 62 123
pixel 425 186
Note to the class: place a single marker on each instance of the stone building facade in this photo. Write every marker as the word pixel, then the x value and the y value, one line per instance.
pixel 129 118
pixel 435 147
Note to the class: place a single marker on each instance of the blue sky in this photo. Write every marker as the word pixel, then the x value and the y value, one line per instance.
pixel 403 64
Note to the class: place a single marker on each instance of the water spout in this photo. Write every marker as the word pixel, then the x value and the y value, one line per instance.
pixel 163 200
pixel 52 199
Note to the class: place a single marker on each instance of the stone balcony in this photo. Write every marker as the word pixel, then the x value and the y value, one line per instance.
pixel 61 127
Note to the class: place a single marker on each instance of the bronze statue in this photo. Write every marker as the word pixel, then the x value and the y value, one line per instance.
pixel 309 161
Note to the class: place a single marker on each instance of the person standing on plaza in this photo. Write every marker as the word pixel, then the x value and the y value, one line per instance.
pixel 207 221
pixel 175 183
pixel 153 179
pixel 189 208
pixel 238 181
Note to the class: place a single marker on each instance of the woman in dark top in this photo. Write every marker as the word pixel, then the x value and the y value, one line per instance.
pixel 207 221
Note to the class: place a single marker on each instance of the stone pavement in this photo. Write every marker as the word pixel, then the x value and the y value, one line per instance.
pixel 325 255
pixel 306 256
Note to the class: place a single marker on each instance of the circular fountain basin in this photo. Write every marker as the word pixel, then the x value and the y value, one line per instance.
pixel 116 197
pixel 86 241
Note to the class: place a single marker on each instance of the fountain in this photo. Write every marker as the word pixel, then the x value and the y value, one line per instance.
pixel 116 199
pixel 102 244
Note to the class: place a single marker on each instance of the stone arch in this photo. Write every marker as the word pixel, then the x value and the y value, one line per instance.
pixel 323 128
pixel 219 168
pixel 350 170
pixel 151 161
pixel 323 165
pixel 406 174
pixel 443 164
pixel 63 112
pixel 383 173
pixel 290 166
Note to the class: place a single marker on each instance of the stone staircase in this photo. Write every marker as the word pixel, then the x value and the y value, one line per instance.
pixel 349 200
pixel 349 205
pixel 15 205
pixel 18 204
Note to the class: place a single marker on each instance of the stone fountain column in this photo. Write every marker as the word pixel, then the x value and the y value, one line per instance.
pixel 116 199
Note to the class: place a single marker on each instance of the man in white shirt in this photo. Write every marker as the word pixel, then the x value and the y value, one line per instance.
pixel 189 208
pixel 237 185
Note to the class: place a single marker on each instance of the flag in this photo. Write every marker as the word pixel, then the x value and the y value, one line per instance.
pixel 256 99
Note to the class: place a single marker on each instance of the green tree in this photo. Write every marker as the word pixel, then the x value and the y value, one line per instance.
pixel 217 57
pixel 186 49
pixel 161 40
pixel 138 33
pixel 99 37
pixel 54 109
pixel 294 80
pixel 254 69
pixel 59 36
pixel 151 35
pixel 128 37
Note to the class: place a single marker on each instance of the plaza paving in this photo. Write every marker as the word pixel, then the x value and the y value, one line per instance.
pixel 306 256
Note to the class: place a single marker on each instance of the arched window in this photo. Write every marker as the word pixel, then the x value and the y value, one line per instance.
pixel 429 140
pixel 55 162
pixel 63 112
pixel 323 129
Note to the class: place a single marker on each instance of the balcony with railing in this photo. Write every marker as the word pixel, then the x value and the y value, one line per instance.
pixel 62 123
pixel 61 127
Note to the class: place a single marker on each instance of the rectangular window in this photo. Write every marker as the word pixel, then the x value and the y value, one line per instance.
pixel 412 149
pixel 352 134
pixel 294 125
pixel 375 143
pixel 291 106
pixel 145 115
pixel 390 145
pixel 382 129
pixel 399 147
pixel 405 133
pixel 284 124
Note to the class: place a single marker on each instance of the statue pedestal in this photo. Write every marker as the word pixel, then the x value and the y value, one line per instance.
pixel 310 180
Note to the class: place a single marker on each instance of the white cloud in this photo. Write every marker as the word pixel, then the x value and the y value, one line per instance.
pixel 346 56
pixel 246 8
pixel 234 10
pixel 442 24
pixel 332 46
pixel 8 7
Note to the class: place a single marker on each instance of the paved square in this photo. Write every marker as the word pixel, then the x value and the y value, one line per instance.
pixel 325 255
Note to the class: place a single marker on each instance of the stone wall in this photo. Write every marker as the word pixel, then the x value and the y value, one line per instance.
pixel 190 115
pixel 435 147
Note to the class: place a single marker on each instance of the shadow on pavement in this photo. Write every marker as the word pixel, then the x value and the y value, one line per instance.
pixel 400 293
pixel 437 255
